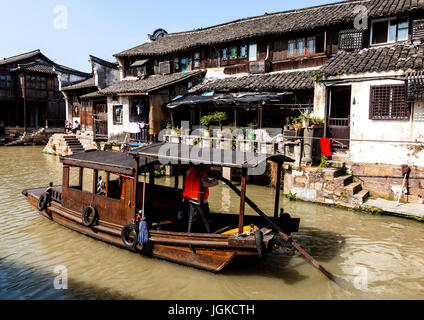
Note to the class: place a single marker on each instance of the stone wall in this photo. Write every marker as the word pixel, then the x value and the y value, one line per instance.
pixel 324 185
pixel 385 181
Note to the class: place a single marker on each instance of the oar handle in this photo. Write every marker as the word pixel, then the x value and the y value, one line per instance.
pixel 278 229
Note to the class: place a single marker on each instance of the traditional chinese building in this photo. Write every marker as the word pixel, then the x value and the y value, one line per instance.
pixel 30 94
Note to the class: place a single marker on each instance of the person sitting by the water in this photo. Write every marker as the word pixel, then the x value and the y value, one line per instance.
pixel 101 187
pixel 68 127
pixel 196 190
pixel 76 127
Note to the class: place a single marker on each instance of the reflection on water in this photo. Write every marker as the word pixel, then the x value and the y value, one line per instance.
pixel 389 249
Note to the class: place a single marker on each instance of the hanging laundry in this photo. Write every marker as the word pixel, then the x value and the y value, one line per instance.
pixel 325 147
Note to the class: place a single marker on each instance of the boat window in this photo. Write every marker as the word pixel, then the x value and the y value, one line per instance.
pixel 101 183
pixel 115 186
pixel 87 180
pixel 74 178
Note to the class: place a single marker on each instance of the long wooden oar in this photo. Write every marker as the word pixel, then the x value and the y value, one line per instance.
pixel 289 240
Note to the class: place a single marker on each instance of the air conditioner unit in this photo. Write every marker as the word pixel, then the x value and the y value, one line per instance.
pixel 418 30
pixel 165 67
pixel 257 66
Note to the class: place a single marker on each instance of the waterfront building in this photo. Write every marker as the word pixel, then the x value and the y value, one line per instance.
pixel 355 64
pixel 30 96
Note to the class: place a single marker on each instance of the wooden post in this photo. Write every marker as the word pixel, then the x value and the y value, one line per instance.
pixel 242 200
pixel 81 174
pixel 95 179
pixel 151 175
pixel 107 184
pixel 133 200
pixel 277 190
pixel 177 178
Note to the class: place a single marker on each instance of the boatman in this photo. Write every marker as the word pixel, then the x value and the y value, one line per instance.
pixel 196 192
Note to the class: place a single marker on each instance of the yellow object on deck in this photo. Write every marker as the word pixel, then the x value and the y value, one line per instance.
pixel 246 229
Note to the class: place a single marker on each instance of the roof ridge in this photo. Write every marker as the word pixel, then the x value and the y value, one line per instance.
pixel 339 3
pixel 22 54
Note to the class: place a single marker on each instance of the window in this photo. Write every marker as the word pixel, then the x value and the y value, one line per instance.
pixel 311 46
pixel 115 187
pixel 197 60
pixel 301 47
pixel 390 31
pixel 243 51
pixel 292 48
pixel 233 53
pixel 389 103
pixel 184 64
pixel 224 54
pixel 177 64
pixel 118 117
pixel 5 81
pixel 253 52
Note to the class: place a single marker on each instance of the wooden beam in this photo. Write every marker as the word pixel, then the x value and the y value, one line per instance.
pixel 242 200
pixel 133 199
pixel 95 179
pixel 107 184
pixel 278 190
pixel 81 174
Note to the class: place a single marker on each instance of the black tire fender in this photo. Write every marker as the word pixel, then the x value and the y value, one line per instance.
pixel 259 243
pixel 43 201
pixel 88 211
pixel 125 235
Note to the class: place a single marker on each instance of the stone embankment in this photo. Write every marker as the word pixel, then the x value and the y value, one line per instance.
pixel 67 144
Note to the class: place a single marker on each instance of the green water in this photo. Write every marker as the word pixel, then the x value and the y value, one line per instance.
pixel 387 252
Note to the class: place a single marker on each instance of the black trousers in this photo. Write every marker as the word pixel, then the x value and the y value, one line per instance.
pixel 198 218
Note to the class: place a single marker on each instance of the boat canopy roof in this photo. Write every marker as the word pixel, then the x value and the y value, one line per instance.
pixel 173 153
pixel 116 162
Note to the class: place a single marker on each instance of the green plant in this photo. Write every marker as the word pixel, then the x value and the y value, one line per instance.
pixel 169 125
pixel 205 121
pixel 216 117
pixel 317 76
pixel 323 163
pixel 160 171
pixel 291 196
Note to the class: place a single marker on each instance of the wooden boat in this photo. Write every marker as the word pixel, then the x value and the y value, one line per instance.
pixel 112 215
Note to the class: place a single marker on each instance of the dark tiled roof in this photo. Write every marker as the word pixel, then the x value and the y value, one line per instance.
pixel 149 84
pixel 104 62
pixel 276 81
pixel 36 67
pixel 378 59
pixel 89 83
pixel 272 24
pixel 20 57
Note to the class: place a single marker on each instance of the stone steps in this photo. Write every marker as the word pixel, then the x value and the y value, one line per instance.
pixel 61 144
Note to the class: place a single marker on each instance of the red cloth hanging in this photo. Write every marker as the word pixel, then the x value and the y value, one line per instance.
pixel 325 147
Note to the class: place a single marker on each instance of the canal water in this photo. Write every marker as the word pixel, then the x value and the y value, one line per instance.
pixel 381 257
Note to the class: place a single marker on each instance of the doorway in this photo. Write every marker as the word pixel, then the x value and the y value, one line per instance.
pixel 338 116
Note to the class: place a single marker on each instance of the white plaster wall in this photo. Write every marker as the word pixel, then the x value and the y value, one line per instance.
pixel 362 128
pixel 114 130
pixel 105 76
pixel 320 98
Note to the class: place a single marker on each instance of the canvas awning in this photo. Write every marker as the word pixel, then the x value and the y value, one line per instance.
pixel 227 98
pixel 175 153
pixel 139 63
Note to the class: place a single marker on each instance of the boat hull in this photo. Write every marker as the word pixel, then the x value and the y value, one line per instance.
pixel 212 252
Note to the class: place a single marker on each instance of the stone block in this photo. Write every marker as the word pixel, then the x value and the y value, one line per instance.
pixel 379 171
pixel 299 180
pixel 318 186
